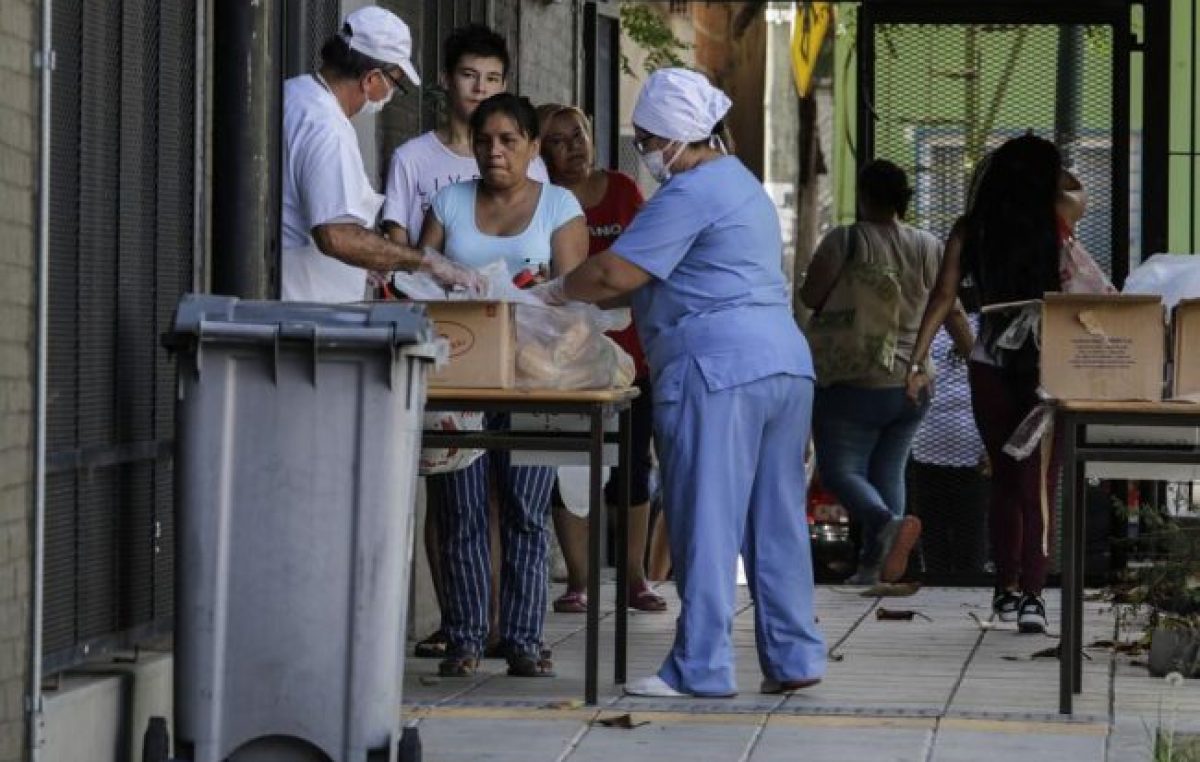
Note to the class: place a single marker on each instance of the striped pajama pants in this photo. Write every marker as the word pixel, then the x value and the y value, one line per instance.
pixel 524 493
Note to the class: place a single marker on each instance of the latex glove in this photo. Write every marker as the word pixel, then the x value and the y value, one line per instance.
pixel 552 292
pixel 451 274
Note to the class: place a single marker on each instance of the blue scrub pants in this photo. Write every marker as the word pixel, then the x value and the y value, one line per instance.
pixel 733 478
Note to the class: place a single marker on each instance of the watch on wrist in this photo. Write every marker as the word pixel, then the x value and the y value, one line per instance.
pixel 916 368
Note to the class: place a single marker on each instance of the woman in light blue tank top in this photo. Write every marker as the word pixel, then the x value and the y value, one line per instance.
pixel 504 215
pixel 529 225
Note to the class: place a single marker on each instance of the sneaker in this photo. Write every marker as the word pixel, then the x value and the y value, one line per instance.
pixel 896 541
pixel 652 687
pixel 1005 604
pixel 1031 616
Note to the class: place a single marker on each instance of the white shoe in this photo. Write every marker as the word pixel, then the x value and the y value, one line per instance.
pixel 652 687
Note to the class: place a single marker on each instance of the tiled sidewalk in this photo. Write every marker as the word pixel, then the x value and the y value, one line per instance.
pixel 939 687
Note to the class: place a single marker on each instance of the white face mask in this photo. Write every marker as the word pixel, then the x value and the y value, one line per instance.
pixel 655 165
pixel 371 107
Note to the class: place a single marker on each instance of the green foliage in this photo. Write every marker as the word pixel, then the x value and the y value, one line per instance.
pixel 649 29
pixel 1167 582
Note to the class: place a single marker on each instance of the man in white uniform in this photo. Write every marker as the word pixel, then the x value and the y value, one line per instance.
pixel 329 207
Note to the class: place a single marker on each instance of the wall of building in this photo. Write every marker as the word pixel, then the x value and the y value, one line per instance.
pixel 19 23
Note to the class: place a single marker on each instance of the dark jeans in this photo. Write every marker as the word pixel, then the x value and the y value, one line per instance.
pixel 1021 540
pixel 863 436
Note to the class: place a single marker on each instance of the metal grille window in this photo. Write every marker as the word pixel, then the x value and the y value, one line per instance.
pixel 121 204
pixel 942 94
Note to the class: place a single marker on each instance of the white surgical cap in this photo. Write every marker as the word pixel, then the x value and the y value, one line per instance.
pixel 679 104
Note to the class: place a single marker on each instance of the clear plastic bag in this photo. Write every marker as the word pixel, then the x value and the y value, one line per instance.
pixel 436 460
pixel 565 348
pixel 1172 276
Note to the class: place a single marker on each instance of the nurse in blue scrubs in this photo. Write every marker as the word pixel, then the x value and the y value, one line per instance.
pixel 733 390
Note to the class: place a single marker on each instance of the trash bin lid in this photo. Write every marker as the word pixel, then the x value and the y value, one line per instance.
pixel 208 317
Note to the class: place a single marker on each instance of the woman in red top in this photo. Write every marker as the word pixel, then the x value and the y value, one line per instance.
pixel 609 200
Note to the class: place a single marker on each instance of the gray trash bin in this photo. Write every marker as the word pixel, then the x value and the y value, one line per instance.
pixel 298 435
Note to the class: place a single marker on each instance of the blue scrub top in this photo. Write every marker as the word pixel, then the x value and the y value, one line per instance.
pixel 710 238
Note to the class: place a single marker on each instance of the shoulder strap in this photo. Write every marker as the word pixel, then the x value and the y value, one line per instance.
pixel 849 246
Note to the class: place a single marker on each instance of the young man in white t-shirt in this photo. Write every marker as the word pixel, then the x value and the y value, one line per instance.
pixel 475 65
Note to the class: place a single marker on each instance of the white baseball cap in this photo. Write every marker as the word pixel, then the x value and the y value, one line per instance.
pixel 381 34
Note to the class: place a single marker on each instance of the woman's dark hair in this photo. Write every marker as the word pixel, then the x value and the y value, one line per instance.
pixel 1010 246
pixel 474 40
pixel 516 107
pixel 346 63
pixel 885 185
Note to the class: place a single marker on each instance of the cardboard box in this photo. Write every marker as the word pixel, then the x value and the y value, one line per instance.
pixel 1103 347
pixel 1186 349
pixel 482 337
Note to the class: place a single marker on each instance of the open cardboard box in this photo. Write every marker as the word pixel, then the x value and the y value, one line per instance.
pixel 482 336
pixel 1185 350
pixel 1103 347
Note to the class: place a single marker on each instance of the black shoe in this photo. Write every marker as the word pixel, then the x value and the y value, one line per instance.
pixel 1005 604
pixel 1032 614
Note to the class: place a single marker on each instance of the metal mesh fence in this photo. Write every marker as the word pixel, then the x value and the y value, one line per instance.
pixel 945 94
pixel 121 194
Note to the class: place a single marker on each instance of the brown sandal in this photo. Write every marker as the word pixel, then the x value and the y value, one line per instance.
pixel 459 665
pixel 526 665
pixel 571 602
pixel 432 647
pixel 645 599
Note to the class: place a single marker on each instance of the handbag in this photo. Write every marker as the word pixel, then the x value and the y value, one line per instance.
pixel 853 331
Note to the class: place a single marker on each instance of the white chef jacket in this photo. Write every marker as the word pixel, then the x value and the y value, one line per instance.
pixel 324 181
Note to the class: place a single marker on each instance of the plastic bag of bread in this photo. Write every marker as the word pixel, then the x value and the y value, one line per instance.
pixel 565 348
pixel 437 460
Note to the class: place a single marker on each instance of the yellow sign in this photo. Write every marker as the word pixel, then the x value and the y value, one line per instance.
pixel 810 24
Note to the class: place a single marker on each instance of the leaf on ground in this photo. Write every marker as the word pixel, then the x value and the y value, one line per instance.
pixel 567 704
pixel 1045 653
pixel 622 721
pixel 899 615
pixel 429 680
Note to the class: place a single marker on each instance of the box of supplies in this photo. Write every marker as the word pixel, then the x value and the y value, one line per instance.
pixel 1103 347
pixel 1186 349
pixel 482 337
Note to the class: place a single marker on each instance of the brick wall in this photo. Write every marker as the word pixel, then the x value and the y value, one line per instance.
pixel 19 21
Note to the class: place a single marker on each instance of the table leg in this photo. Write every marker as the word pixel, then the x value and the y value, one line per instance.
pixel 596 527
pixel 622 556
pixel 1066 662
pixel 1079 474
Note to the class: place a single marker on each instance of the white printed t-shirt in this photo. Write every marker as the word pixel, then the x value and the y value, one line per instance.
pixel 323 182
pixel 423 166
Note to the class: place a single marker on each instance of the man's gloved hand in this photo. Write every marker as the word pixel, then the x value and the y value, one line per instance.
pixel 552 292
pixel 451 274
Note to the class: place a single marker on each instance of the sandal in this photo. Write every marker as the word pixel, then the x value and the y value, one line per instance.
pixel 432 647
pixel 571 602
pixel 459 665
pixel 644 599
pixel 527 665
